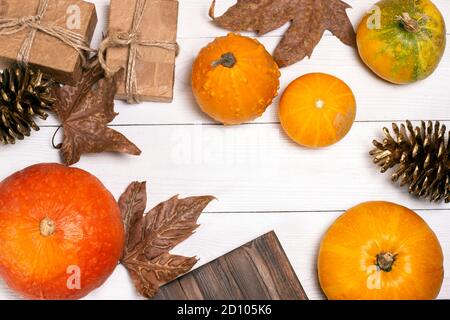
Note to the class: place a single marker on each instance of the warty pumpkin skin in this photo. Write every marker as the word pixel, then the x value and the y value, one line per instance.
pixel 403 41
pixel 380 250
pixel 234 79
pixel 58 225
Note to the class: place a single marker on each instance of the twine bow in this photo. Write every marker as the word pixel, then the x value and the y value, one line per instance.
pixel 131 39
pixel 9 26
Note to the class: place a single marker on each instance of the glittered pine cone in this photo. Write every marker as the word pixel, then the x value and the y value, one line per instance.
pixel 24 95
pixel 419 157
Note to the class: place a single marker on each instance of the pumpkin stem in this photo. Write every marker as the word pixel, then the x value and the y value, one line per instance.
pixel 47 227
pixel 228 60
pixel 385 261
pixel 410 24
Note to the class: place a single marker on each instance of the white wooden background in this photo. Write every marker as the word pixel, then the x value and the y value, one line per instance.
pixel 263 180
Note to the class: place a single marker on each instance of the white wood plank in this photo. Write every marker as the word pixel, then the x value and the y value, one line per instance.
pixel 299 233
pixel 254 170
pixel 194 21
pixel 377 99
pixel 248 168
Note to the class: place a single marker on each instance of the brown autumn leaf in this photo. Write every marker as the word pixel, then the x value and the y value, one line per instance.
pixel 84 111
pixel 148 276
pixel 150 236
pixel 309 19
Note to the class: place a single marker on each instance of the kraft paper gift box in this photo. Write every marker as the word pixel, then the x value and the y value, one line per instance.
pixel 154 65
pixel 46 52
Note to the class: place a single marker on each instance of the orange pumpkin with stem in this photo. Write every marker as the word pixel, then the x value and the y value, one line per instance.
pixel 380 250
pixel 61 233
pixel 234 79
pixel 317 110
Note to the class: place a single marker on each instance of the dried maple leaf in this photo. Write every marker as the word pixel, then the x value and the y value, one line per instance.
pixel 148 276
pixel 309 19
pixel 150 236
pixel 84 112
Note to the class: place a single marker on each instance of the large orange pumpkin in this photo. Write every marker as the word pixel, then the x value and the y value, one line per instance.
pixel 380 250
pixel 61 234
pixel 234 79
pixel 402 41
pixel 317 110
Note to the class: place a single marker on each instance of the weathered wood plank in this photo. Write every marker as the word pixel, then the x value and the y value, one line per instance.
pixel 259 270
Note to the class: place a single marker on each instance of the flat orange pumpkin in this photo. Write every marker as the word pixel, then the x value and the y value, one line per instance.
pixel 61 233
pixel 380 250
pixel 317 110
pixel 234 79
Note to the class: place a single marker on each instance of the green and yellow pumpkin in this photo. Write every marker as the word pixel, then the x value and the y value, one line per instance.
pixel 402 41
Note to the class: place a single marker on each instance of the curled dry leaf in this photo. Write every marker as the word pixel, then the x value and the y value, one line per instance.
pixel 150 236
pixel 84 112
pixel 309 19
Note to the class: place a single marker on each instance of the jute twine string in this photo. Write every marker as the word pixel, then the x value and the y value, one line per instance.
pixel 9 26
pixel 131 39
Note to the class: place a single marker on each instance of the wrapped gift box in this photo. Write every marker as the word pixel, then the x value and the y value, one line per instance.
pixel 154 66
pixel 48 53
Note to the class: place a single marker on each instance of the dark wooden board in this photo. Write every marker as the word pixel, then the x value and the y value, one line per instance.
pixel 259 270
